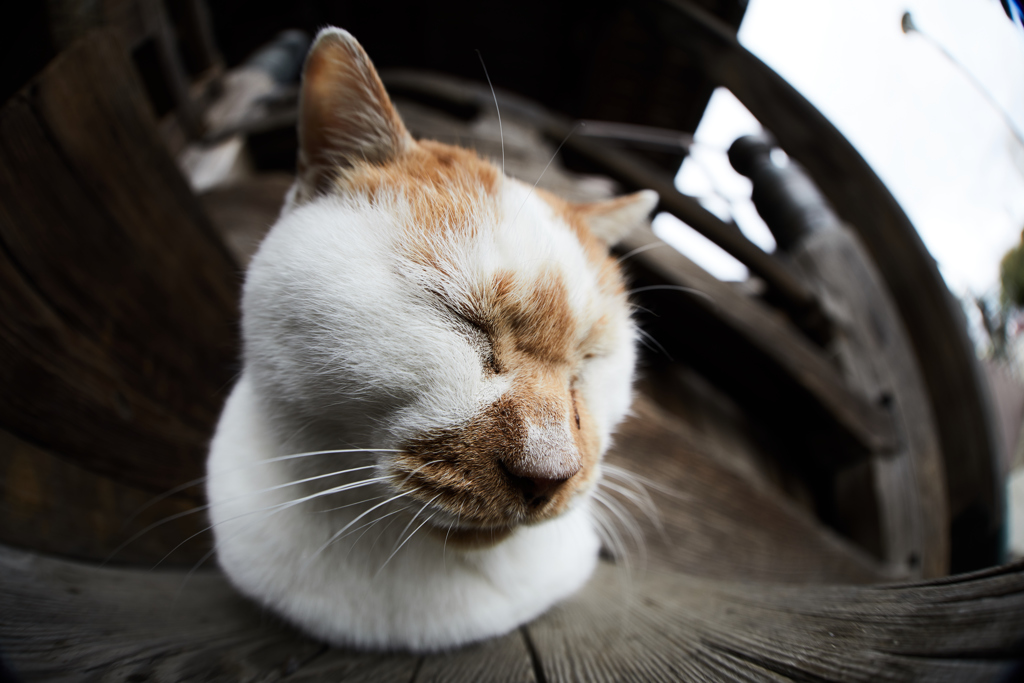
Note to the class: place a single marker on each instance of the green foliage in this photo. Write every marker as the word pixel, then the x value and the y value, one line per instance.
pixel 1011 276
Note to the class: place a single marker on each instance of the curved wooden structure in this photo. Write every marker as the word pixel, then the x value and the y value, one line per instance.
pixel 795 453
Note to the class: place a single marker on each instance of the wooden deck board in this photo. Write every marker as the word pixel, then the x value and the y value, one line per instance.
pixel 71 621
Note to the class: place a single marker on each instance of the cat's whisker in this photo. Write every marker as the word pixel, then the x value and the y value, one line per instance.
pixel 422 524
pixel 501 133
pixel 201 508
pixel 424 507
pixel 628 524
pixel 553 156
pixel 338 533
pixel 672 288
pixel 379 535
pixel 366 526
pixel 348 505
pixel 653 344
pixel 637 494
pixel 610 536
pixel 195 482
pixel 426 464
pixel 193 570
pixel 639 250
pixel 647 483
pixel 444 547
pixel 271 510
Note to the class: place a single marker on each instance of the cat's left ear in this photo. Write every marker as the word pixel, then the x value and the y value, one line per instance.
pixel 611 220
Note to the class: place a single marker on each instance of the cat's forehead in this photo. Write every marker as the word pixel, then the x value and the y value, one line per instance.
pixel 495 250
pixel 443 185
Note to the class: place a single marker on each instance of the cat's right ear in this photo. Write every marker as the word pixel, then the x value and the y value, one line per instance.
pixel 345 114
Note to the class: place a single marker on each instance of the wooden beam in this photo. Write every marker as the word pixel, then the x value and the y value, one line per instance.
pixel 755 355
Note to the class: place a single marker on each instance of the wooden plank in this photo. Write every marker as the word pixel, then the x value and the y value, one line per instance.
pixel 715 522
pixel 874 349
pixel 358 667
pixel 118 300
pixel 754 355
pixel 52 505
pixel 58 375
pixel 500 660
pixel 64 619
pixel 243 212
pixel 676 627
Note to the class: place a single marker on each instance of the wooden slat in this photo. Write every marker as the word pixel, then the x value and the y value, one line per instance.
pixel 505 659
pixel 674 627
pixel 118 302
pixel 64 619
pixel 714 521
pixel 358 667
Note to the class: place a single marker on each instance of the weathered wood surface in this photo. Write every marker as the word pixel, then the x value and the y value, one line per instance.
pixel 931 316
pixel 110 355
pixel 714 521
pixel 754 354
pixel 52 505
pixel 68 621
pixel 873 348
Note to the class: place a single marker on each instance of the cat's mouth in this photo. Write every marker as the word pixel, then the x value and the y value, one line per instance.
pixel 483 507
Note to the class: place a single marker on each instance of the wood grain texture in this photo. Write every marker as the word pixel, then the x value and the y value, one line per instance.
pixel 53 505
pixel 504 660
pixel 69 621
pixel 757 356
pixel 118 301
pixel 874 350
pixel 676 627
pixel 716 522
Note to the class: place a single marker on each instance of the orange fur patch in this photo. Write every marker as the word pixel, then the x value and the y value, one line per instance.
pixel 575 215
pixel 470 477
pixel 442 183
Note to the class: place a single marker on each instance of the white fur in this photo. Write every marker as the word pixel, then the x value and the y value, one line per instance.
pixel 345 348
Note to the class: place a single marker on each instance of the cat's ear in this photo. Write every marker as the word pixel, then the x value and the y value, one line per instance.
pixel 345 114
pixel 613 219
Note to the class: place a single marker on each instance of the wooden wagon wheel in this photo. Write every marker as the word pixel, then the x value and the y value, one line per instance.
pixel 128 419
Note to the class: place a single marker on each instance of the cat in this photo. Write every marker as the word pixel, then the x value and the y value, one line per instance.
pixel 435 356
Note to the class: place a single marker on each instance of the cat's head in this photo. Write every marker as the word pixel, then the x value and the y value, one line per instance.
pixel 412 297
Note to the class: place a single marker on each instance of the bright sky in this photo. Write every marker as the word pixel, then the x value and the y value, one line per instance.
pixel 943 149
